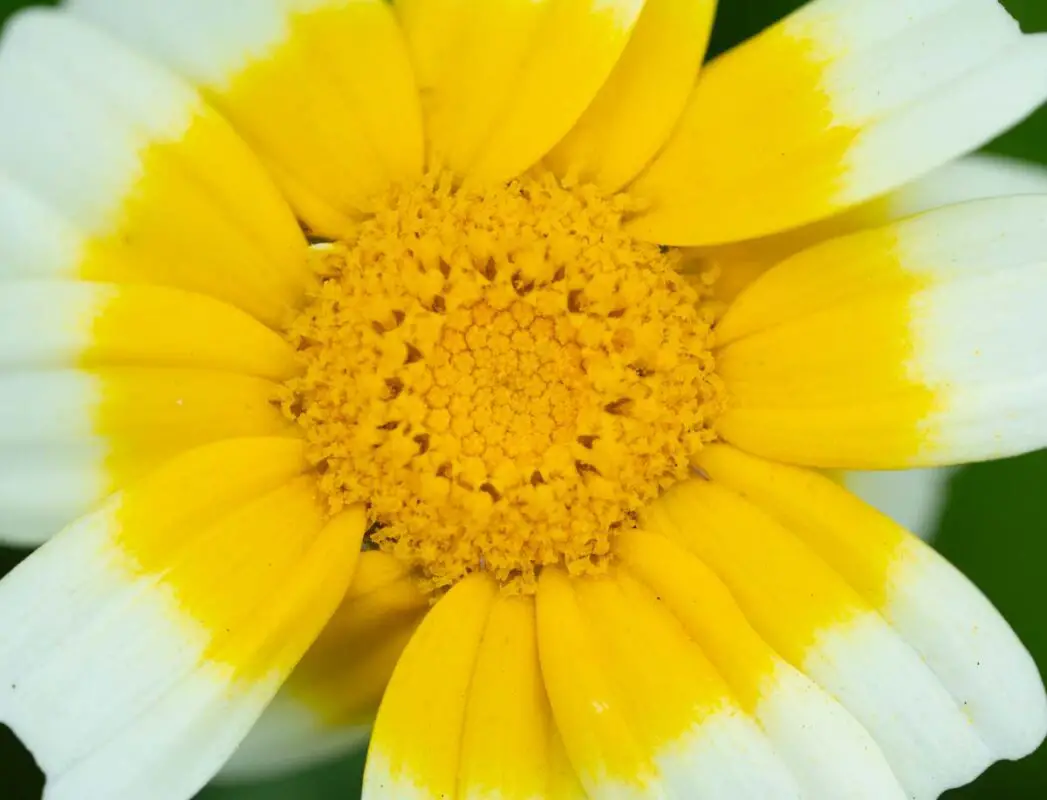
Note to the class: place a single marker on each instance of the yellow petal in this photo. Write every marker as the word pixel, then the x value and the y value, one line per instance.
pixel 828 751
pixel 158 188
pixel 417 738
pixel 588 708
pixel 692 737
pixel 505 742
pixel 823 627
pixel 184 602
pixel 907 345
pixel 635 111
pixel 977 177
pixel 322 91
pixel 834 105
pixel 344 675
pixel 328 704
pixel 166 327
pixel 543 62
pixel 563 780
pixel 958 633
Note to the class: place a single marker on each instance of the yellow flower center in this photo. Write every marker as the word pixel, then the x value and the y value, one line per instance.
pixel 503 376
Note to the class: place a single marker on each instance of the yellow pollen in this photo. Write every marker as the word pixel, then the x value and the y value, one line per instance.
pixel 503 376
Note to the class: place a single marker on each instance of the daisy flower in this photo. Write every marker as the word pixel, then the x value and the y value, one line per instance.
pixel 492 364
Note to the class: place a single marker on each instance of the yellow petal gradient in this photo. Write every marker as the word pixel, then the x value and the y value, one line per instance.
pixel 588 707
pixel 543 63
pixel 635 111
pixel 933 607
pixel 170 526
pixel 203 216
pixel 146 415
pixel 416 746
pixel 729 171
pixel 908 345
pixel 168 327
pixel 344 675
pixel 323 91
pixel 788 594
pixel 836 104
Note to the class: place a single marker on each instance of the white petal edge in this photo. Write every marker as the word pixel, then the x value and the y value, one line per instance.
pixel 914 498
pixel 942 127
pixel 829 752
pixel 43 489
pixel 287 738
pixel 928 741
pixel 62 80
pixel 35 241
pixel 43 113
pixel 236 34
pixel 971 648
pixel 975 177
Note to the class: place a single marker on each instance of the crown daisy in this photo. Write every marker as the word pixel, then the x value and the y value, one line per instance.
pixel 484 367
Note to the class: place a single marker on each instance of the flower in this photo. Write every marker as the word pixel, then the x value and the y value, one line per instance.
pixel 534 420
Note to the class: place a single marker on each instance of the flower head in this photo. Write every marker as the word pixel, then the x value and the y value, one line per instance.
pixel 480 369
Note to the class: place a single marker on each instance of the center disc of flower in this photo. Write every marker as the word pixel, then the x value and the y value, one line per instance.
pixel 503 376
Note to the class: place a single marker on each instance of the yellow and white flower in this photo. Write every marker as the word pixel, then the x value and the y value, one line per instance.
pixel 525 441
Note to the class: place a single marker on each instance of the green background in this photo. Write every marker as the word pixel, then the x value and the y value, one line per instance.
pixel 993 529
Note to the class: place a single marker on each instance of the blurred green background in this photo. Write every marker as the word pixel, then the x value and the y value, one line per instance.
pixel 994 527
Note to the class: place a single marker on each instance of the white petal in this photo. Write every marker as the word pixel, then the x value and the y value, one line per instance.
pixel 121 672
pixel 52 466
pixel 288 737
pixel 916 344
pixel 69 438
pixel 840 102
pixel 322 89
pixel 930 744
pixel 43 489
pixel 35 241
pixel 48 324
pixel 941 128
pixel 969 645
pixel 65 324
pixel 914 498
pixel 976 177
pixel 830 753
pixel 157 184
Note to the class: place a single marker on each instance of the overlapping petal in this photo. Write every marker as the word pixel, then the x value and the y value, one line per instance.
pixel 142 271
pixel 180 634
pixel 913 344
pixel 938 613
pixel 417 741
pixel 157 189
pixel 328 703
pixel 768 635
pixel 842 101
pixel 829 752
pixel 322 89
pixel 975 177
pixel 823 627
pixel 71 437
pixel 640 103
pixel 543 63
